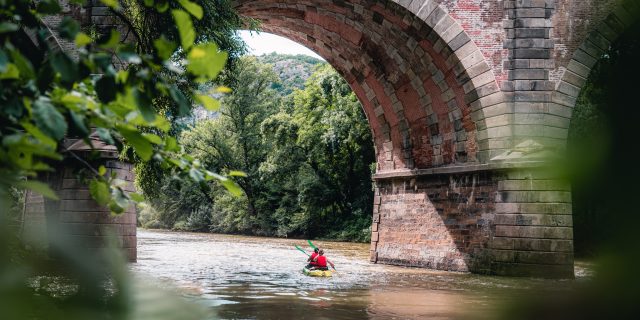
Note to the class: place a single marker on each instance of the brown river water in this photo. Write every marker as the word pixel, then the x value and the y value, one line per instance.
pixel 239 277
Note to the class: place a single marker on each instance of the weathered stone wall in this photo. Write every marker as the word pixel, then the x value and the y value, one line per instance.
pixel 533 225
pixel 436 221
pixel 509 221
pixel 80 217
pixel 572 21
pixel 34 221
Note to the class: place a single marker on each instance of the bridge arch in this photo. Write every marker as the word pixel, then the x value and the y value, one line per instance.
pixel 462 98
pixel 585 57
pixel 414 68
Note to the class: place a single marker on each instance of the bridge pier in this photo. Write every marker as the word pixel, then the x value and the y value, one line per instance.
pixel 490 219
pixel 76 215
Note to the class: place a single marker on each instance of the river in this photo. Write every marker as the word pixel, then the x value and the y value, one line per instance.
pixel 239 277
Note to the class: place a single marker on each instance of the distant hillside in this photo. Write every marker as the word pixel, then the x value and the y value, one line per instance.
pixel 293 70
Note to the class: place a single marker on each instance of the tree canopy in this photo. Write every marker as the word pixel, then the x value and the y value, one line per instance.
pixel 307 156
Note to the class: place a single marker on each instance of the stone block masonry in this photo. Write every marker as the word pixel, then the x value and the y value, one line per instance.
pixel 505 221
pixel 440 221
pixel 533 225
pixel 82 219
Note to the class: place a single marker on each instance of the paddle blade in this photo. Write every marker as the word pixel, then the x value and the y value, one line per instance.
pixel 311 244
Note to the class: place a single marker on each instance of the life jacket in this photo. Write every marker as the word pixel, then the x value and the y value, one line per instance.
pixel 321 261
pixel 313 257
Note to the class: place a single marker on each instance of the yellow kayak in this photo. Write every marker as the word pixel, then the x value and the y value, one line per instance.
pixel 317 273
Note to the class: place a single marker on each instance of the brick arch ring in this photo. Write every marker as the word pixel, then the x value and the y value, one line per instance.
pixel 585 57
pixel 419 76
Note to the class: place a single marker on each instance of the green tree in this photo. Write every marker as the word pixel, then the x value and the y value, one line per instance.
pixel 233 141
pixel 322 153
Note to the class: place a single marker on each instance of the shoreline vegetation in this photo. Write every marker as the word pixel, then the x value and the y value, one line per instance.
pixel 297 131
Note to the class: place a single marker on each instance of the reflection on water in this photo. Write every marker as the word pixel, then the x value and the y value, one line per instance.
pixel 260 278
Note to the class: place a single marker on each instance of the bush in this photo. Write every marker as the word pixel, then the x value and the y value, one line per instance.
pixel 180 225
pixel 200 218
pixel 229 214
pixel 146 216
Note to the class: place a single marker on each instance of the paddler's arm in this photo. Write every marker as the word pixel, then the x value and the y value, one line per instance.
pixel 331 264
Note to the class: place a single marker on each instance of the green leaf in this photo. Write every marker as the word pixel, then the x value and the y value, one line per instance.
pixel 162 5
pixel 4 61
pixel 165 47
pixel 34 131
pixel 205 60
pixel 105 136
pixel 113 4
pixel 73 102
pixel 39 187
pixel 49 119
pixel 161 123
pixel 223 89
pixel 142 146
pixel 111 41
pixel 232 187
pixel 183 104
pixel 23 64
pixel 106 89
pixel 115 208
pixel 14 108
pixel 12 72
pixel 209 103
pixel 185 28
pixel 102 170
pixel 82 39
pixel 68 70
pixel 155 139
pixel 136 197
pixel 192 7
pixel 171 144
pixel 145 106
pixel 69 28
pixel 7 26
pixel 78 123
pixel 100 191
pixel 120 198
pixel 48 7
pixel 235 173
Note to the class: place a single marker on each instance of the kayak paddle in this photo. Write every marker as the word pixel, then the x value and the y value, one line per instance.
pixel 311 244
pixel 302 250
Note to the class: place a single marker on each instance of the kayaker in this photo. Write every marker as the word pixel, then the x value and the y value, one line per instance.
pixel 321 261
pixel 312 259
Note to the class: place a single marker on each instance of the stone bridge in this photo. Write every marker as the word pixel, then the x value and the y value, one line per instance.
pixel 469 103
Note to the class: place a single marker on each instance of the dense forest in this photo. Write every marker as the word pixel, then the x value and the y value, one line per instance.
pixel 293 70
pixel 306 154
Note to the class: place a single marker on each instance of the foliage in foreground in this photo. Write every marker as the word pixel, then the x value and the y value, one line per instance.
pixel 47 96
